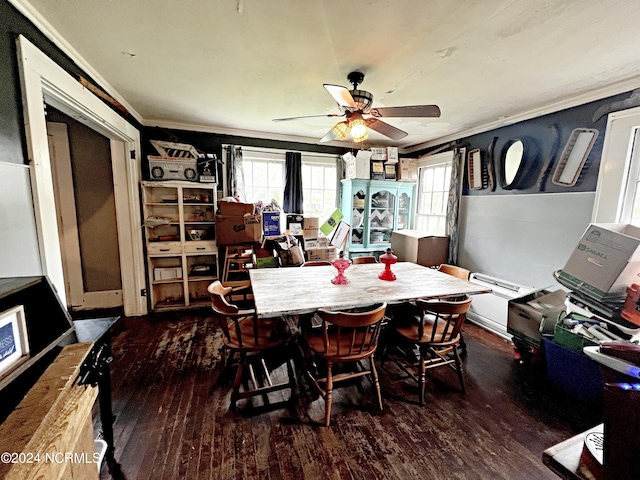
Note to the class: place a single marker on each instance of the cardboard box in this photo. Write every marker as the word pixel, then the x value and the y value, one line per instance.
pixel 377 169
pixel 310 225
pixel 605 261
pixel 392 154
pixel 320 242
pixel 294 223
pixel 358 166
pixel 419 247
pixel 378 153
pixel 271 223
pixel 408 169
pixel 235 230
pixel 235 208
pixel 167 273
pixel 535 313
pixel 328 253
pixel 389 171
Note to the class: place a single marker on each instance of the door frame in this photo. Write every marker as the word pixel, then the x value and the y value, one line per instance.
pixel 44 81
pixel 77 297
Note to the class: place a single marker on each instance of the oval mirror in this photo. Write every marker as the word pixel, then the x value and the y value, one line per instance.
pixel 512 161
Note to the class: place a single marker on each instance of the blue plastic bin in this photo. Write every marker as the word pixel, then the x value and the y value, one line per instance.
pixel 573 373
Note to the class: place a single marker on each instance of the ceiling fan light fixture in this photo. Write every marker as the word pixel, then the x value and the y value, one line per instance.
pixel 361 138
pixel 358 129
pixel 340 130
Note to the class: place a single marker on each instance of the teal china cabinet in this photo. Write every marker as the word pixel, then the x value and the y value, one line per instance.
pixel 374 209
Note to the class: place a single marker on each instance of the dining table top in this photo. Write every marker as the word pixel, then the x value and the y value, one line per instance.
pixel 296 290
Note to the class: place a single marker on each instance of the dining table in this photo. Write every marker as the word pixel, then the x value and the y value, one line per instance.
pixel 302 290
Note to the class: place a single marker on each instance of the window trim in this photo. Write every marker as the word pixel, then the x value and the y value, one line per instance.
pixel 615 165
pixel 434 160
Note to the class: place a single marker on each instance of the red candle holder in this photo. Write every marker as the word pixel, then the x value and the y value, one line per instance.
pixel 388 259
pixel 341 265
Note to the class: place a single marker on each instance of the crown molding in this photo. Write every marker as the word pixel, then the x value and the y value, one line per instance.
pixel 238 132
pixel 26 9
pixel 577 100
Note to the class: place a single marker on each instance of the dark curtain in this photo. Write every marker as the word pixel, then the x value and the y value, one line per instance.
pixel 292 202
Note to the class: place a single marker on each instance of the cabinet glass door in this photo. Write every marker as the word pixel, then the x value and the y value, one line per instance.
pixel 381 216
pixel 357 218
pixel 404 211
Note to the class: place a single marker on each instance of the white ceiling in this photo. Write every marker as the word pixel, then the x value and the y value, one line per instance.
pixel 231 66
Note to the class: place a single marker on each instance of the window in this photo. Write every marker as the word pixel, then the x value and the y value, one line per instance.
pixel 264 178
pixel 434 179
pixel 631 194
pixel 319 185
pixel 617 197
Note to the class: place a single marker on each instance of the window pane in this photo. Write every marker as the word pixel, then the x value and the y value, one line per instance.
pixel 260 173
pixel 264 181
pixel 433 198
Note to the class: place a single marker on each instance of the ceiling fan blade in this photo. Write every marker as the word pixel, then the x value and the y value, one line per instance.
pixel 408 111
pixel 308 116
pixel 341 95
pixel 330 136
pixel 386 129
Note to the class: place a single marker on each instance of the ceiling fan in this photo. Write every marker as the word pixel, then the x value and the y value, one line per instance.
pixel 356 104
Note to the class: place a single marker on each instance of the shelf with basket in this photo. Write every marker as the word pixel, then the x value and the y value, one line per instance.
pixel 180 239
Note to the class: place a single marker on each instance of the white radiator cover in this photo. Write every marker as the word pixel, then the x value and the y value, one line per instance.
pixel 490 310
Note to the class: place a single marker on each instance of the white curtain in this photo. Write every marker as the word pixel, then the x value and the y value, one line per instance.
pixel 235 175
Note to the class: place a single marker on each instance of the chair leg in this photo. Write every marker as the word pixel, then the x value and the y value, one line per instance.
pixel 374 374
pixel 463 346
pixel 328 393
pixel 235 390
pixel 423 373
pixel 459 368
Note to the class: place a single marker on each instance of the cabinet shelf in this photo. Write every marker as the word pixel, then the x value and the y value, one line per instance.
pixel 172 220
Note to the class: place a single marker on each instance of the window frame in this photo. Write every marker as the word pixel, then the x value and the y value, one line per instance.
pixel 432 161
pixel 308 158
pixel 619 168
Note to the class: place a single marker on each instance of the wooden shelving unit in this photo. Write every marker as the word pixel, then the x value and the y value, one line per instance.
pixel 239 259
pixel 182 255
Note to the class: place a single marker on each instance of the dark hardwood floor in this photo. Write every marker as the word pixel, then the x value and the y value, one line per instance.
pixel 171 403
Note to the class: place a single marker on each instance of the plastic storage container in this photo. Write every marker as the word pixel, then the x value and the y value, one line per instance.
pixel 573 373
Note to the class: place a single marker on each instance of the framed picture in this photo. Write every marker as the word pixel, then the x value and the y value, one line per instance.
pixel 14 344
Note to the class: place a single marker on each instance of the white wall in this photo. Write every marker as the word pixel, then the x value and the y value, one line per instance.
pixel 522 238
pixel 19 253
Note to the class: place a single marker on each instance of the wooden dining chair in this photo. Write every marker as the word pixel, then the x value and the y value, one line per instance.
pixel 455 271
pixel 316 263
pixel 251 340
pixel 435 330
pixel 463 274
pixel 364 259
pixel 345 337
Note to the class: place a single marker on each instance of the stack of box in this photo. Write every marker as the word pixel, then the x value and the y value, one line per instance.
pixel 316 245
pixel 237 224
pixel 379 163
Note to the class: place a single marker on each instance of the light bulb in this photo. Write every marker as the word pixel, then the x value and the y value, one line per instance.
pixel 358 128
